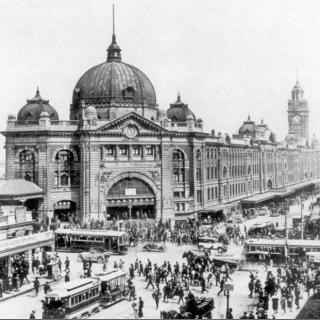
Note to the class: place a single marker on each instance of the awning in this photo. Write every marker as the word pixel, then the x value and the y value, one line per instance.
pixel 19 189
pixel 260 197
pixel 278 193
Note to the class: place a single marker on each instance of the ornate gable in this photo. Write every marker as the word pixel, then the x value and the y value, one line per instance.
pixel 132 125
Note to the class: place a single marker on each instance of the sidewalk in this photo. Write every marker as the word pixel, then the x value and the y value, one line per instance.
pixel 26 287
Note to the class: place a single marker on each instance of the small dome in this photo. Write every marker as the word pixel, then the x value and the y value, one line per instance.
pixel 248 128
pixel 91 113
pixel 179 112
pixel 34 107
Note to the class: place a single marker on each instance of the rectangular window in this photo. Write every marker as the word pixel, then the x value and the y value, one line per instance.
pixel 136 151
pixel 208 192
pixel 149 151
pixel 123 151
pixel 208 173
pixel 182 206
pixel 110 151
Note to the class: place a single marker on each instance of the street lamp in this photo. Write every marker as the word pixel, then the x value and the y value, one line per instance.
pixel 227 288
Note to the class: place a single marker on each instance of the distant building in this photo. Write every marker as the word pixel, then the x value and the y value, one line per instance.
pixel 121 156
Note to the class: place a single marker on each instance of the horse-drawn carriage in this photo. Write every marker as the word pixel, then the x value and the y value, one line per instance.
pixel 200 308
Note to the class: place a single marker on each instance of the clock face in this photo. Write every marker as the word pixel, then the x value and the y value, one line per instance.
pixel 296 119
pixel 130 131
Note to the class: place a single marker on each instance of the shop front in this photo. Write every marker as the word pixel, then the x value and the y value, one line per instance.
pixel 17 250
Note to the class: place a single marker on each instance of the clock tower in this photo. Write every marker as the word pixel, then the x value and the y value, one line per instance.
pixel 298 114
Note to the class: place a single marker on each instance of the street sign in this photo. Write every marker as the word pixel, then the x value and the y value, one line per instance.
pixel 228 287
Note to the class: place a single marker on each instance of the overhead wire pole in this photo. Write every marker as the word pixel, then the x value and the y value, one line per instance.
pixel 301 207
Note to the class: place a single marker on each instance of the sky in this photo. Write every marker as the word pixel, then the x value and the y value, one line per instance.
pixel 227 59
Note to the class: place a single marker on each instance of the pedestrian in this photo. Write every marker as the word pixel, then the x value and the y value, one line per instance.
pixel 203 285
pixel 150 279
pixel 67 265
pixel 36 285
pixel 297 293
pixel 180 294
pixel 67 277
pixel 156 296
pixel 289 302
pixel 222 282
pixel 283 302
pixel 229 314
pixel 275 303
pixel 32 314
pixel 59 265
pixel 140 308
pixel 46 288
pixel 1 287
pixel 251 287
pixel 251 315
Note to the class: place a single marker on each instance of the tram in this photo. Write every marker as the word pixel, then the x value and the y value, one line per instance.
pixel 80 298
pixel 78 240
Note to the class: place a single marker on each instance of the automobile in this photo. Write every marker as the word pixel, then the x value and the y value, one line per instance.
pixel 208 243
pixel 154 247
pixel 275 213
pixel 94 255
pixel 262 211
pixel 220 262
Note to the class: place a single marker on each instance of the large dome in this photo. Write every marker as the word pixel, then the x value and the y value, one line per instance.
pixel 113 83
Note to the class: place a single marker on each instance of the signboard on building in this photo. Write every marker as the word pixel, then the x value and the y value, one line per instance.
pixel 130 191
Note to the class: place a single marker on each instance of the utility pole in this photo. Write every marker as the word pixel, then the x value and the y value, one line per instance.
pixel 286 251
pixel 301 206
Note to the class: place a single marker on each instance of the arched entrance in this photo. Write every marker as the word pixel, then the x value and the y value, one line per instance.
pixel 130 198
pixel 64 210
pixel 269 184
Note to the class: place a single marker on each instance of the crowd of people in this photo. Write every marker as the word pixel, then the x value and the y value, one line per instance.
pixel 281 291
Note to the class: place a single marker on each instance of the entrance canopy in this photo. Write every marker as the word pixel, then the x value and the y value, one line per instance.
pixel 19 189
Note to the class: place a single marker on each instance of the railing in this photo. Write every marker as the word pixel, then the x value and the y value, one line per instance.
pixel 64 123
pixel 26 240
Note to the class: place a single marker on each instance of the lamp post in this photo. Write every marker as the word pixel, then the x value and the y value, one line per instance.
pixel 228 298
pixel 227 288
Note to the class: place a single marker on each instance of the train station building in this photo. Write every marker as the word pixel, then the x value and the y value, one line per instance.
pixel 121 155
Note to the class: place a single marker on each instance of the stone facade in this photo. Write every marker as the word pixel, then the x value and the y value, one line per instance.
pixel 132 156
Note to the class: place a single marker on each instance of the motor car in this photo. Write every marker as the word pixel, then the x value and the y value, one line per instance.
pixel 208 243
pixel 94 255
pixel 275 213
pixel 262 211
pixel 154 247
pixel 220 262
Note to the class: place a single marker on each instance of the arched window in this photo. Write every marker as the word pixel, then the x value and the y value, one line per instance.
pixel 211 154
pixel 225 172
pixel 198 166
pixel 65 173
pixel 178 166
pixel 27 166
pixel 208 153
